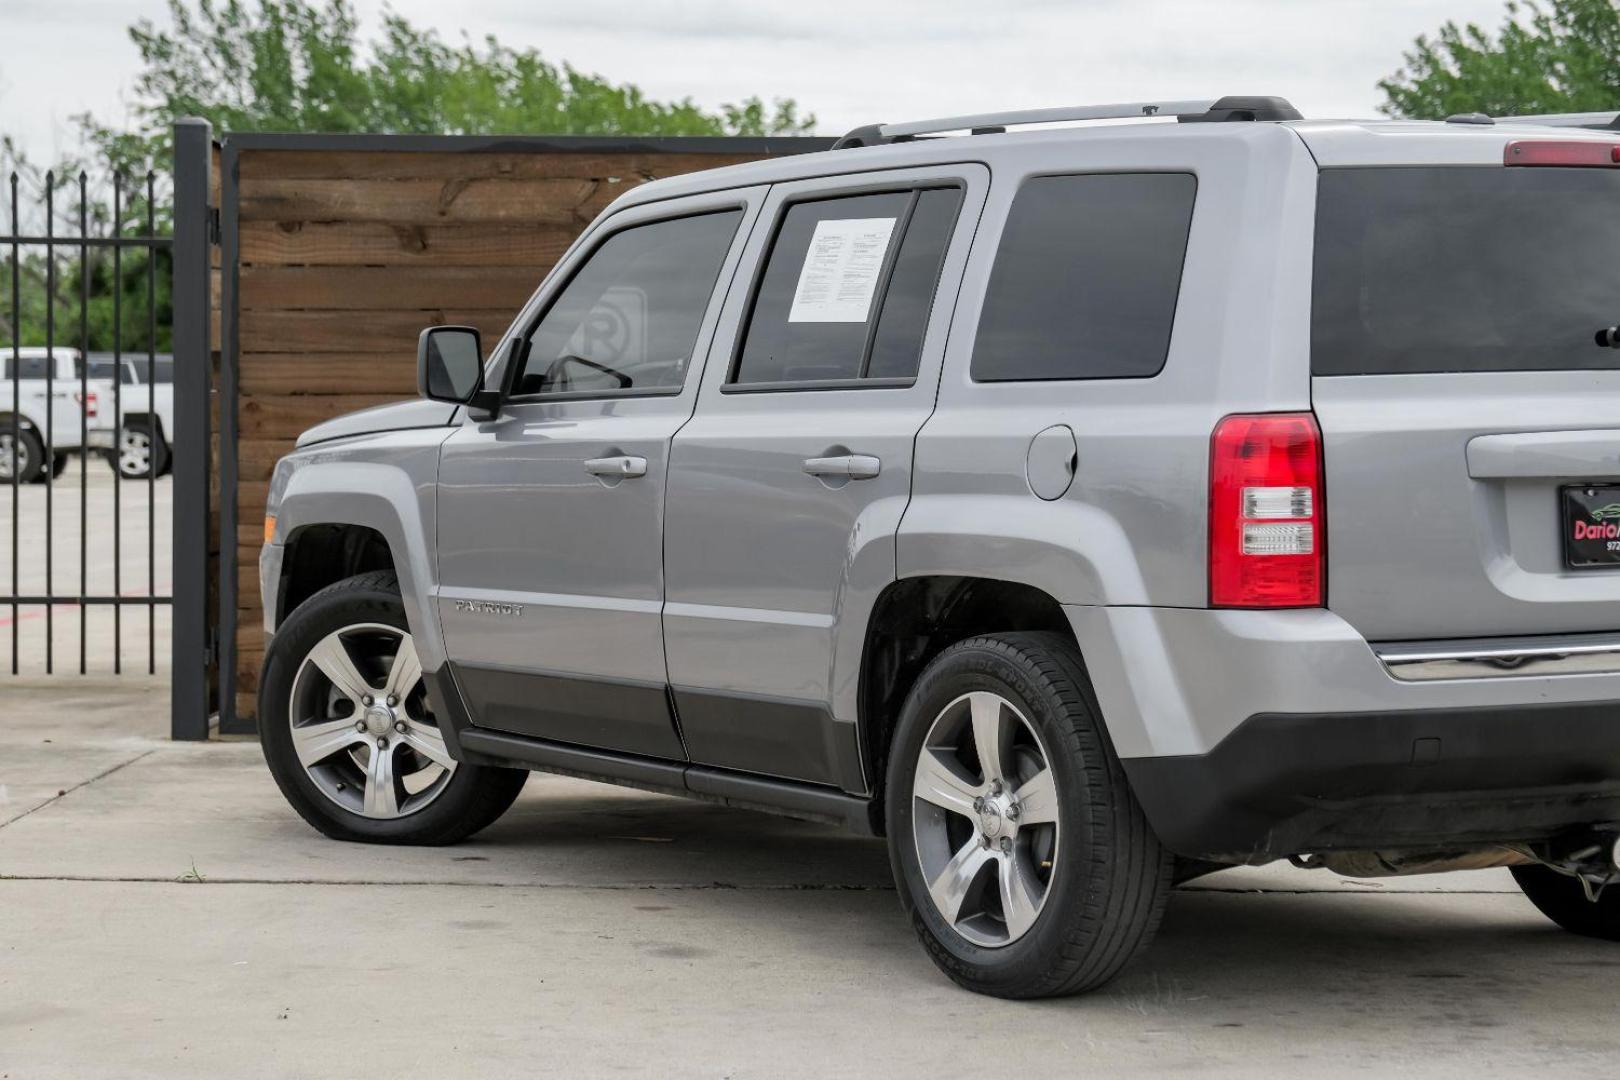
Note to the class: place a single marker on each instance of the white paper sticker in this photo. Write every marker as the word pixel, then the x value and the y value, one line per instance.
pixel 841 270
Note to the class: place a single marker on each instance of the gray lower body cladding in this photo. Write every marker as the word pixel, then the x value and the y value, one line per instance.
pixel 1286 784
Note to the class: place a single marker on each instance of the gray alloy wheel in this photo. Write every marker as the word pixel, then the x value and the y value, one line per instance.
pixel 985 819
pixel 21 451
pixel 361 726
pixel 134 452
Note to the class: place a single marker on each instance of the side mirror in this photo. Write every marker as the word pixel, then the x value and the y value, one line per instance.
pixel 449 364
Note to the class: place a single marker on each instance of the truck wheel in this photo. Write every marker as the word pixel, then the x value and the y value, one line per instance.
pixel 140 450
pixel 59 464
pixel 347 731
pixel 24 458
pixel 1562 900
pixel 1021 856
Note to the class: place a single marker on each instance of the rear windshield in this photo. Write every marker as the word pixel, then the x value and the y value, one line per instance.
pixel 1463 268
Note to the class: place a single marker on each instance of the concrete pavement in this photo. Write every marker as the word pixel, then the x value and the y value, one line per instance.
pixel 167 914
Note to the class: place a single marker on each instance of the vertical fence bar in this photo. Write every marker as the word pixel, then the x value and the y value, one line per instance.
pixel 118 421
pixel 49 457
pixel 228 464
pixel 84 418
pixel 191 657
pixel 16 414
pixel 151 411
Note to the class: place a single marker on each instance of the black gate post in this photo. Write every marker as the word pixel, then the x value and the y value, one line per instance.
pixel 193 655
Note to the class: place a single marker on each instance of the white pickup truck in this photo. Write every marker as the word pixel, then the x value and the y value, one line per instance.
pixel 47 412
pixel 142 411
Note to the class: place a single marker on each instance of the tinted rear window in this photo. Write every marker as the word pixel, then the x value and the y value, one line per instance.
pixel 1086 279
pixel 1459 269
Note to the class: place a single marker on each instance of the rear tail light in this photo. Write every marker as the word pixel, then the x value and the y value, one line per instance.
pixel 88 401
pixel 1266 537
pixel 1547 152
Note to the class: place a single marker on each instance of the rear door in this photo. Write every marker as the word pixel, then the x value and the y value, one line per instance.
pixel 787 486
pixel 1471 420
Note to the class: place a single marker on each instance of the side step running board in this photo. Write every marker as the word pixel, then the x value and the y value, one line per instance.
pixel 785 797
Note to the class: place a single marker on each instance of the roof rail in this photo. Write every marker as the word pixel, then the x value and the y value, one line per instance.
pixel 1599 120
pixel 1196 111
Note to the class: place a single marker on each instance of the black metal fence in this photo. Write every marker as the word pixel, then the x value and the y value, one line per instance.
pixel 85 392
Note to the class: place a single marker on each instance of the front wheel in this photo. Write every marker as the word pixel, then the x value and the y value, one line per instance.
pixel 347 731
pixel 1562 899
pixel 1021 856
pixel 22 457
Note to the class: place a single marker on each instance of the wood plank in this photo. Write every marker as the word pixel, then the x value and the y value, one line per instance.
pixel 359 331
pixel 286 418
pixel 382 244
pixel 386 287
pixel 406 165
pixel 270 373
pixel 568 202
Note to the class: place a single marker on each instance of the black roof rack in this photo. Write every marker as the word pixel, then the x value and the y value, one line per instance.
pixel 1214 110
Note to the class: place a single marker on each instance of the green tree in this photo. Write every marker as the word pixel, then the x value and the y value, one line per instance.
pixel 297 65
pixel 1558 56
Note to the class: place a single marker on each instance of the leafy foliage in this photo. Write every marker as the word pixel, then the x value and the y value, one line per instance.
pixel 298 65
pixel 1558 56
pixel 294 65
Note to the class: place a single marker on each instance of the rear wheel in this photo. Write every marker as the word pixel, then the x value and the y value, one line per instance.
pixel 347 731
pixel 1025 864
pixel 22 457
pixel 141 451
pixel 1562 899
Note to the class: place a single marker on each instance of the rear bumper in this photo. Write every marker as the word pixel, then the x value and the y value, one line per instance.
pixel 1287 784
pixel 1249 735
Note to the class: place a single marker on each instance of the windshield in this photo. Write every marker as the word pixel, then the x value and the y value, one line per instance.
pixel 1464 268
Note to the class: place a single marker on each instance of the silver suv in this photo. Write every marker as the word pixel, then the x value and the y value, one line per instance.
pixel 1082 508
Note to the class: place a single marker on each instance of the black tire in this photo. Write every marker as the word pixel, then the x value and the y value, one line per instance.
pixel 1110 878
pixel 59 464
pixel 474 796
pixel 32 455
pixel 157 451
pixel 1563 900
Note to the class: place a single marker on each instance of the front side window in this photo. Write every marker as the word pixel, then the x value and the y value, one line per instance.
pixel 848 287
pixel 629 319
pixel 1087 277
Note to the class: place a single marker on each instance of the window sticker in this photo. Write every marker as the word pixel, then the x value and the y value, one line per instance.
pixel 841 269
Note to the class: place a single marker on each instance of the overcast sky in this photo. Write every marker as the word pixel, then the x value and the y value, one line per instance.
pixel 849 61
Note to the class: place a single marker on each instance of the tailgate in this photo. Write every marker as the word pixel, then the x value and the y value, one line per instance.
pixel 1470 417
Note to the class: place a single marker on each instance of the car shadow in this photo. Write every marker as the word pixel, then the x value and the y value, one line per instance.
pixel 1467 961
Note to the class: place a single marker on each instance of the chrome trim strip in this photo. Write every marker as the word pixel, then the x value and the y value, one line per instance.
pixel 1497 658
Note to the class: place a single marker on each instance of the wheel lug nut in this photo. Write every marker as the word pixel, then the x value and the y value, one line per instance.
pixel 1006 844
pixel 392 701
pixel 399 726
pixel 360 725
pixel 382 744
pixel 1012 812
pixel 367 700
pixel 995 787
pixel 978 805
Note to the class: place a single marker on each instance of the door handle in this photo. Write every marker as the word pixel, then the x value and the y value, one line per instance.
pixel 844 466
pixel 622 467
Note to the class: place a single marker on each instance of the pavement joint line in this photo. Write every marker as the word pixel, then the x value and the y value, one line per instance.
pixel 715 886
pixel 65 792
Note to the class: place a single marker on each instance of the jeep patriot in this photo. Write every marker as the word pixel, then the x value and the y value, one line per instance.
pixel 1081 508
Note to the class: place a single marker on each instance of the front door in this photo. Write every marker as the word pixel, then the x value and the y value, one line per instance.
pixel 787 486
pixel 550 517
